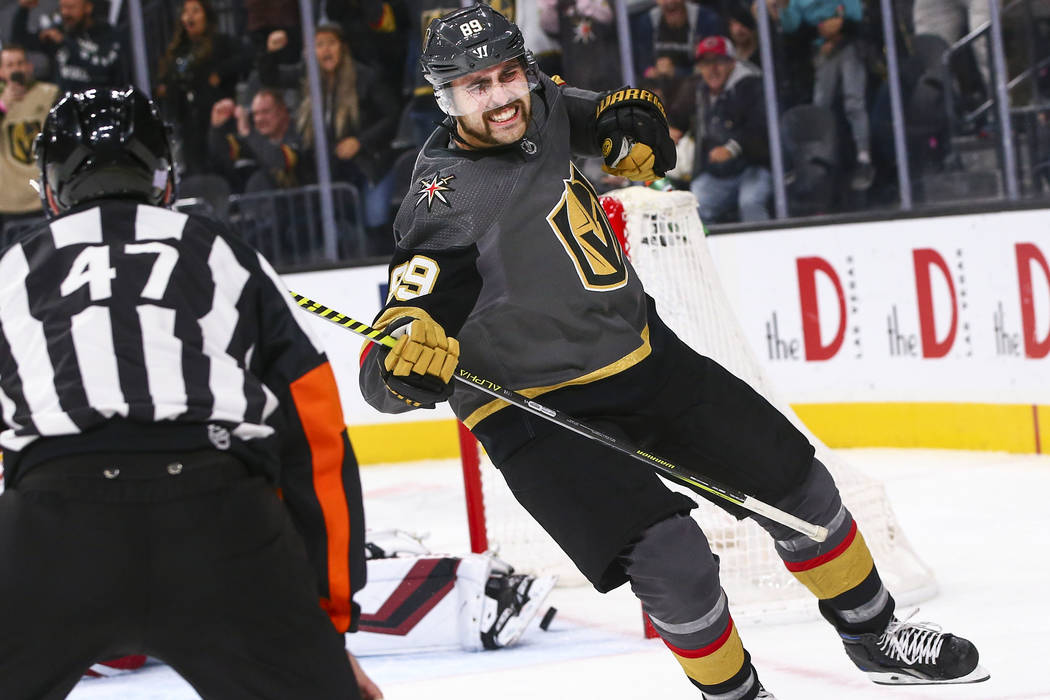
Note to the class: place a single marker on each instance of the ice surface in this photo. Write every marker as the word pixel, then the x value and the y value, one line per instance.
pixel 979 519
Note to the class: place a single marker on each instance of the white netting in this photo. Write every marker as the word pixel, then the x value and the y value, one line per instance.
pixel 665 241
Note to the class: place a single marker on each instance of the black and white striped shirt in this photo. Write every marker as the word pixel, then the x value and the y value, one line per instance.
pixel 130 312
pixel 125 327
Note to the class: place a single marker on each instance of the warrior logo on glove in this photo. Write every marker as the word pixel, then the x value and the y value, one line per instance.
pixel 633 135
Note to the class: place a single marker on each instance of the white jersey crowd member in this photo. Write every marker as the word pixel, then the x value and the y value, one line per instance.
pixel 504 258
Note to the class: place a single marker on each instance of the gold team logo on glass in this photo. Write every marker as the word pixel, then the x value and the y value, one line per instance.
pixel 583 229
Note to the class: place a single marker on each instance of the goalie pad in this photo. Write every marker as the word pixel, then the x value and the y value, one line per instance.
pixel 416 602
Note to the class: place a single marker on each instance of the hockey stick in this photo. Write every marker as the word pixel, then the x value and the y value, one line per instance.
pixel 814 532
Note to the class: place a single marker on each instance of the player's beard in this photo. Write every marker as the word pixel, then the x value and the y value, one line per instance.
pixel 484 135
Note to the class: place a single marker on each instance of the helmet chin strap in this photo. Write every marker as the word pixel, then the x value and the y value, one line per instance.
pixel 49 193
pixel 453 132
pixel 451 125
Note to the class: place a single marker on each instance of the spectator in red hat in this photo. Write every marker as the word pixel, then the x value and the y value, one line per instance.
pixel 726 115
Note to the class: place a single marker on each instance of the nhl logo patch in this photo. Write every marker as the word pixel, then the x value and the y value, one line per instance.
pixel 436 188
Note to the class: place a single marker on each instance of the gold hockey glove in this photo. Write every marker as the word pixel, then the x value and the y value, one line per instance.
pixel 418 369
pixel 633 136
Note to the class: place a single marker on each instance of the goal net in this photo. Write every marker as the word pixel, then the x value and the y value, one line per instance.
pixel 664 239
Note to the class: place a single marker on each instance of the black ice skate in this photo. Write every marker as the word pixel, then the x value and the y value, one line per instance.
pixel 914 653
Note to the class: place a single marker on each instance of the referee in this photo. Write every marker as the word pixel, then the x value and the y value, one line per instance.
pixel 179 478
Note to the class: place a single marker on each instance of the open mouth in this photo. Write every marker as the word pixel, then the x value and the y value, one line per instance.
pixel 504 115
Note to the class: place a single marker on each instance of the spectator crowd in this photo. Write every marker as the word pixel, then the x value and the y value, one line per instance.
pixel 230 77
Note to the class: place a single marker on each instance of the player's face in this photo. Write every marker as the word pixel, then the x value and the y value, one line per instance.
pixel 328 51
pixel 495 104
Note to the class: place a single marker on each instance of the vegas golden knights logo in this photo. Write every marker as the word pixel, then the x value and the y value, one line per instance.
pixel 582 227
pixel 21 135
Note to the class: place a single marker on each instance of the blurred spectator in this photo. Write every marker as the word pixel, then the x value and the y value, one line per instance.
pixel 24 103
pixel 586 31
pixel 546 50
pixel 263 17
pixel 421 113
pixel 675 28
pixel 361 117
pixel 840 69
pixel 376 32
pixel 257 150
pixel 792 57
pixel 199 68
pixel 743 30
pixel 951 20
pixel 727 117
pixel 86 51
pixel 360 111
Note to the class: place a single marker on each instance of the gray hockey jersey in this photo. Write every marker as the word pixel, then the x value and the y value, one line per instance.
pixel 510 251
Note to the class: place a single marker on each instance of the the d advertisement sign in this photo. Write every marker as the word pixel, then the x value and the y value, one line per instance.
pixel 927 259
pixel 808 269
pixel 930 325
pixel 945 309
pixel 1035 329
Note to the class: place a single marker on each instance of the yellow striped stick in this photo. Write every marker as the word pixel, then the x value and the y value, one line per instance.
pixel 666 468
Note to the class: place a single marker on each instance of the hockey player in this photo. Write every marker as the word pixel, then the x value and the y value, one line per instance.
pixel 179 479
pixel 503 254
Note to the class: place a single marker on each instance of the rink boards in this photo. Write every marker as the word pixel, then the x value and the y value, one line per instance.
pixel 926 332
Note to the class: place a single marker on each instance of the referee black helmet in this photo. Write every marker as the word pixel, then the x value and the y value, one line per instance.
pixel 104 143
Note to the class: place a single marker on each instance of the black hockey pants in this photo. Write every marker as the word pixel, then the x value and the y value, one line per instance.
pixel 201 568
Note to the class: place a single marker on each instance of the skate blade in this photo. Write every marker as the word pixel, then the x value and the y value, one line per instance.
pixel 977 675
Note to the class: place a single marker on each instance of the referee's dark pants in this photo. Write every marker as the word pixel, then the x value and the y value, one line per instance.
pixel 184 557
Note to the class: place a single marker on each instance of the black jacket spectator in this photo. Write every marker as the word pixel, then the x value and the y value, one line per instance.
pixel 199 68
pixel 672 30
pixel 736 115
pixel 86 51
pixel 260 150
